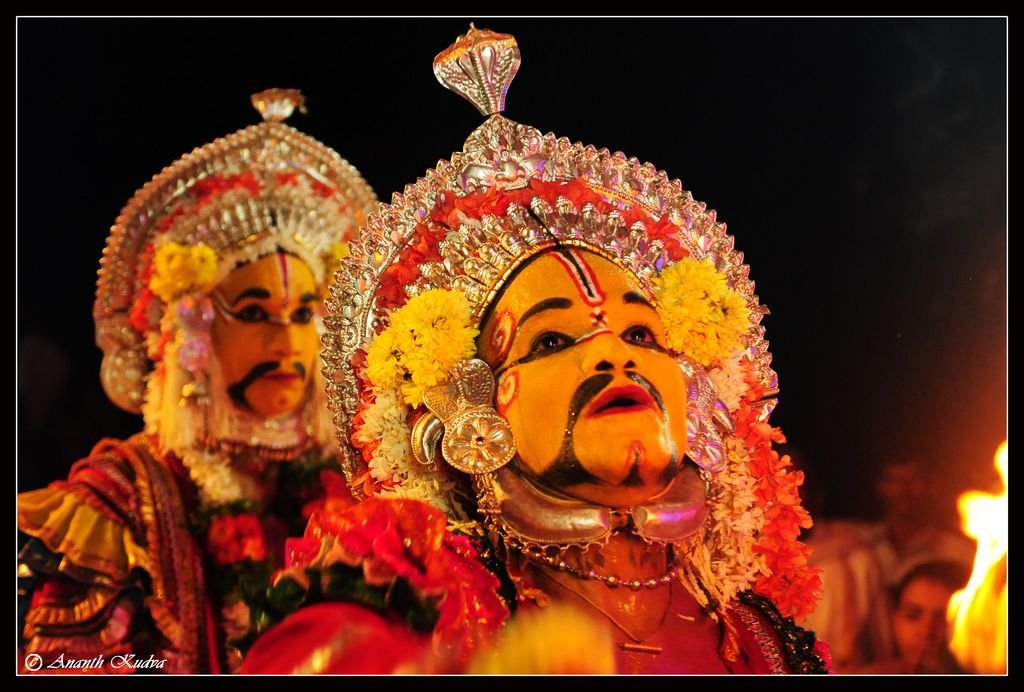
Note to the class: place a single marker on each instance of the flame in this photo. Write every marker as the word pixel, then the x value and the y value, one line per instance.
pixel 978 612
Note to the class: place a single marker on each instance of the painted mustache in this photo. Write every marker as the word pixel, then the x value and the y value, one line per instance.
pixel 592 389
pixel 584 394
pixel 567 470
pixel 649 386
pixel 237 390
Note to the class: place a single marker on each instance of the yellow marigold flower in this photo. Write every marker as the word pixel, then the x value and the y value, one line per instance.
pixel 180 269
pixel 382 361
pixel 704 319
pixel 426 338
pixel 558 640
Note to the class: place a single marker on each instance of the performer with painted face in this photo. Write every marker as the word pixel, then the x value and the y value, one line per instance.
pixel 208 310
pixel 559 350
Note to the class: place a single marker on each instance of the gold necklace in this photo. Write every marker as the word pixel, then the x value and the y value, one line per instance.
pixel 627 646
pixel 537 553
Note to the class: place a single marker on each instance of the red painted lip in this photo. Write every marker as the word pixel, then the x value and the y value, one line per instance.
pixel 626 399
pixel 282 376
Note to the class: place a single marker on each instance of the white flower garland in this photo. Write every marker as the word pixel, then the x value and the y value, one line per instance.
pixel 728 379
pixel 736 522
pixel 384 423
pixel 392 461
pixel 217 480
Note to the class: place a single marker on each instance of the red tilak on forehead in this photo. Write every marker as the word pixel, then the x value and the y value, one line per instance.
pixel 282 261
pixel 582 275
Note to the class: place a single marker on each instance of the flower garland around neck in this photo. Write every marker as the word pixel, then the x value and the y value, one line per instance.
pixel 243 553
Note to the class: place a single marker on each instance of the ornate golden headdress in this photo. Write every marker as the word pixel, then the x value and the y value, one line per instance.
pixel 267 184
pixel 515 180
pixel 447 245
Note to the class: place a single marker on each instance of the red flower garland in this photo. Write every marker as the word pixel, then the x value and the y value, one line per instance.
pixel 207 189
pixel 233 538
pixel 292 178
pixel 793 585
pixel 408 539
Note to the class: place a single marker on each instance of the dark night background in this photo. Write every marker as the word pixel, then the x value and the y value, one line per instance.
pixel 860 164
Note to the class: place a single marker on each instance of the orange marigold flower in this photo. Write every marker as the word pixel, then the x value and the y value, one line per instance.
pixel 336 496
pixel 233 538
pixel 793 585
pixel 408 539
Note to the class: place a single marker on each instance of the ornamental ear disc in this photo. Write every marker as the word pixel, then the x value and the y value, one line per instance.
pixel 703 441
pixel 478 441
pixel 122 374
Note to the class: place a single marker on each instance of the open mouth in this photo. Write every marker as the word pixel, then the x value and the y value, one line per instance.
pixel 626 399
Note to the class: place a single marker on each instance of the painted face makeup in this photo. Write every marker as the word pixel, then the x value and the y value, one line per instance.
pixel 264 334
pixel 597 405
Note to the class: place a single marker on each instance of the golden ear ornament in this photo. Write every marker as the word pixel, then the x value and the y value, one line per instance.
pixel 476 439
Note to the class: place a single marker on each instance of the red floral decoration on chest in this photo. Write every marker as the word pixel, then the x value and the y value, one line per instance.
pixel 409 540
pixel 233 538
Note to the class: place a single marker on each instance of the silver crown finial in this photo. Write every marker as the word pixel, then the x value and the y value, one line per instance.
pixel 479 66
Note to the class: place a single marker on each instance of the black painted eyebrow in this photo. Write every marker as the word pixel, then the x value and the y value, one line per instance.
pixel 544 305
pixel 307 297
pixel 637 299
pixel 255 292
